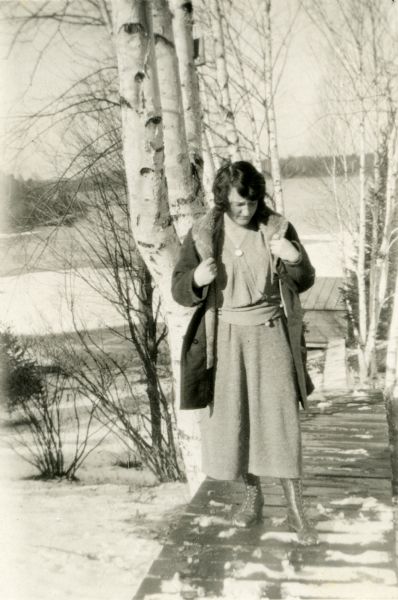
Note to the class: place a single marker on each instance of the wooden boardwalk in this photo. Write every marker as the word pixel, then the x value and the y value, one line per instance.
pixel 348 492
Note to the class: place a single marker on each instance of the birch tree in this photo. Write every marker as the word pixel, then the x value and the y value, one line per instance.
pixel 254 63
pixel 163 187
pixel 169 111
pixel 155 221
pixel 361 46
pixel 270 110
pixel 183 35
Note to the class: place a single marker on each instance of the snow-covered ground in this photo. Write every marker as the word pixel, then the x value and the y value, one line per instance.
pixel 91 540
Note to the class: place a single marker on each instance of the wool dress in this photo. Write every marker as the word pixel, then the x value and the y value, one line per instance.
pixel 252 425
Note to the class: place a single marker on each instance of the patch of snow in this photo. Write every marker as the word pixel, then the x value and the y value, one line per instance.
pixel 222 505
pixel 349 526
pixel 350 500
pixel 351 539
pixel 281 536
pixel 348 574
pixel 324 404
pixel 322 510
pixel 227 533
pixel 367 557
pixel 364 591
pixel 358 451
pixel 248 590
pixel 317 573
pixel 209 520
pixel 252 568
pixel 369 503
pixel 179 586
pixel 372 503
pixel 276 521
pixel 359 394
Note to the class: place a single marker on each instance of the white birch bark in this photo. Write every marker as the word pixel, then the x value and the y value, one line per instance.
pixel 223 82
pixel 391 380
pixel 182 26
pixel 361 275
pixel 152 227
pixel 182 197
pixel 389 234
pixel 270 112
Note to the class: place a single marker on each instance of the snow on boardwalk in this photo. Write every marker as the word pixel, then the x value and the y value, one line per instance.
pixel 348 493
pixel 335 372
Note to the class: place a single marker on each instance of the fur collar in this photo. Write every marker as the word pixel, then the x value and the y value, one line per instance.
pixel 205 230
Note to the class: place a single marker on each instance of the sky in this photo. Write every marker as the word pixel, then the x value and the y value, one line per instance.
pixel 25 88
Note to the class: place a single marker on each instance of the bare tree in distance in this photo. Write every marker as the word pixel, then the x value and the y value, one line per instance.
pixel 365 105
pixel 252 64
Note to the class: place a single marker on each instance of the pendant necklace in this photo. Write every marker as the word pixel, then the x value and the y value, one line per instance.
pixel 236 235
pixel 237 248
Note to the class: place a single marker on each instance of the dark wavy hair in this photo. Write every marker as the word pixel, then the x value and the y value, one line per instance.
pixel 247 181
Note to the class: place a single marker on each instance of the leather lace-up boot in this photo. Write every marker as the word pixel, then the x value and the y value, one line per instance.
pixel 297 519
pixel 251 511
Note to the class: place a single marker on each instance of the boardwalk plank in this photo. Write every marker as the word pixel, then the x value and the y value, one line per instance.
pixel 347 479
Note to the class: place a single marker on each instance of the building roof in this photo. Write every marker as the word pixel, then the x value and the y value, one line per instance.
pixel 322 326
pixel 325 294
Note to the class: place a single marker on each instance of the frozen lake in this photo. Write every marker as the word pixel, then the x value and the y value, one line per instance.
pixel 51 301
pixel 40 294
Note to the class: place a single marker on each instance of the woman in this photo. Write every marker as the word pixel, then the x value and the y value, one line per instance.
pixel 243 357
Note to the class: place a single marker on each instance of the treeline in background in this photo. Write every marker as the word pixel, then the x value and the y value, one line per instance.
pixel 34 203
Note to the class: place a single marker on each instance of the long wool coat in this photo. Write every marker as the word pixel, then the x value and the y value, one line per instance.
pixel 205 240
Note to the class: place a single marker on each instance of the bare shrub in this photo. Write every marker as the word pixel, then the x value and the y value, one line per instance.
pixel 53 426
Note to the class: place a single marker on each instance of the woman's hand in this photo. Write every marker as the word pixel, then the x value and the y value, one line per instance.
pixel 284 249
pixel 205 272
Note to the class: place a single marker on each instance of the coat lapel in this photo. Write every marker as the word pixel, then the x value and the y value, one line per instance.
pixel 203 234
pixel 206 234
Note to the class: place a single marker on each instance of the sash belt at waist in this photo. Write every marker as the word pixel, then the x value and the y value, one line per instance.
pixel 258 314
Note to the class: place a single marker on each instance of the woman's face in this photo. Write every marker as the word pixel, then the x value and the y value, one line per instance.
pixel 240 210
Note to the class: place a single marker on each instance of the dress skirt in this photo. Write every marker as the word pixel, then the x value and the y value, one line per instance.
pixel 253 424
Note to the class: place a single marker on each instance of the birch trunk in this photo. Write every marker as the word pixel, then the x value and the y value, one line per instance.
pixel 391 383
pixel 182 26
pixel 270 112
pixel 223 82
pixel 182 196
pixel 391 386
pixel 361 273
pixel 343 249
pixel 143 148
pixel 382 266
pixel 391 380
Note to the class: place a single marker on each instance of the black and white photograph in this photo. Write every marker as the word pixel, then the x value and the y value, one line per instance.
pixel 199 300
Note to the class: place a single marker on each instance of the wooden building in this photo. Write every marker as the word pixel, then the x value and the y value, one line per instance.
pixel 324 312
